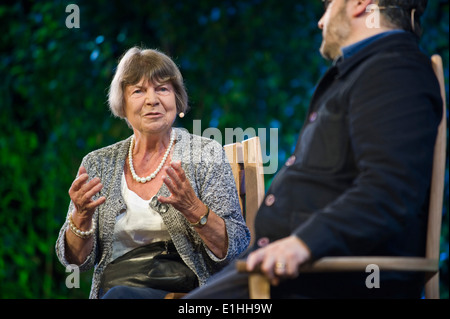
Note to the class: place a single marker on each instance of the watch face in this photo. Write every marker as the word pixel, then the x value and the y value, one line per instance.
pixel 203 220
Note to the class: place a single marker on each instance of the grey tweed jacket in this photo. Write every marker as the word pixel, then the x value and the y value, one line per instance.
pixel 209 173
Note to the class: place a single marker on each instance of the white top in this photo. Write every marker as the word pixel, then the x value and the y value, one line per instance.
pixel 139 225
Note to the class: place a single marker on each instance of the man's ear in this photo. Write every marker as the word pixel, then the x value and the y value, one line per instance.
pixel 358 7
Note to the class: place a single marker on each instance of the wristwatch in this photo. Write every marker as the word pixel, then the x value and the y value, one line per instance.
pixel 202 221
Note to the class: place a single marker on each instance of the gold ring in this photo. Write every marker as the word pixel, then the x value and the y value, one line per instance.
pixel 280 265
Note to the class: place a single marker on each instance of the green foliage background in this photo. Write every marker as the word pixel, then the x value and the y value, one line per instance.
pixel 247 64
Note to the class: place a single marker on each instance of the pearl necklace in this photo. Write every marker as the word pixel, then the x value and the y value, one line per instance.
pixel 152 175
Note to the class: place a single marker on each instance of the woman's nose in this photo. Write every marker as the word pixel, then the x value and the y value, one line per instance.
pixel 151 97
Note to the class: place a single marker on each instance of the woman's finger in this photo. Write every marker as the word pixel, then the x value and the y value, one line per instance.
pixel 81 191
pixel 94 204
pixel 85 193
pixel 173 175
pixel 81 171
pixel 170 185
pixel 94 190
pixel 79 182
pixel 89 185
pixel 166 200
pixel 176 166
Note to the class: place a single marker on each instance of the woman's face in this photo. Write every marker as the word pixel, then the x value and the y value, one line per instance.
pixel 150 107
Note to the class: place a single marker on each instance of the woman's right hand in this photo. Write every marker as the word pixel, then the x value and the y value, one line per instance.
pixel 81 193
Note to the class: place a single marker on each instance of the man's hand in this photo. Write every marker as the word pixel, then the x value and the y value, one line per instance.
pixel 280 259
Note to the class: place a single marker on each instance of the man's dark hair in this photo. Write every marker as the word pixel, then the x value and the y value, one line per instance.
pixel 404 14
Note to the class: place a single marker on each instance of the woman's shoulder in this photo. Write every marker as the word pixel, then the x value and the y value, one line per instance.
pixel 108 152
pixel 196 141
pixel 198 149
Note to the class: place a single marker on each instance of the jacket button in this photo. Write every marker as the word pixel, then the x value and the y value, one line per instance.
pixel 163 208
pixel 263 242
pixel 270 199
pixel 313 116
pixel 154 202
pixel 290 160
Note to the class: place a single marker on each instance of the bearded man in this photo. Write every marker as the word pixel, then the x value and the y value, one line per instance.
pixel 358 181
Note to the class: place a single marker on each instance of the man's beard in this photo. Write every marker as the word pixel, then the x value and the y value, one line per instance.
pixel 335 34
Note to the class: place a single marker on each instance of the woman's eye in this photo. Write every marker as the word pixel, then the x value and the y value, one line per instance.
pixel 163 90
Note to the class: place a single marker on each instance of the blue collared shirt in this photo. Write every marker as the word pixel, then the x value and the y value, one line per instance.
pixel 351 49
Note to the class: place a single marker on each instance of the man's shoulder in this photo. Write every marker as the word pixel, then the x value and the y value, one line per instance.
pixel 399 51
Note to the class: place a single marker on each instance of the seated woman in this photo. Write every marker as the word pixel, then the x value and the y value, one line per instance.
pixel 161 203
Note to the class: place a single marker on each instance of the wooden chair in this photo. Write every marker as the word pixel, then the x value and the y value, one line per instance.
pixel 246 163
pixel 259 286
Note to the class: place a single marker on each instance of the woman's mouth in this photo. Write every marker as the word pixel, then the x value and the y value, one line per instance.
pixel 153 114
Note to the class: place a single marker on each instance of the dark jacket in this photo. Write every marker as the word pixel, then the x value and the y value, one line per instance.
pixel 359 180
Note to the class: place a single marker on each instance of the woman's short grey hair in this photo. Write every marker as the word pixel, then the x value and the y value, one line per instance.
pixel 138 63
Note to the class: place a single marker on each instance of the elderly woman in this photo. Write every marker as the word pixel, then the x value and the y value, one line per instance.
pixel 159 211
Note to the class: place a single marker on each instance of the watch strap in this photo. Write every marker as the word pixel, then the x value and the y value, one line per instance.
pixel 198 223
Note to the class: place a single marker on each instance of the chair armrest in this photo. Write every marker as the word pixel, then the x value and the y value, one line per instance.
pixel 342 264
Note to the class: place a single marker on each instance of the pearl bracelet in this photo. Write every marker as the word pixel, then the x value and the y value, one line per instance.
pixel 80 233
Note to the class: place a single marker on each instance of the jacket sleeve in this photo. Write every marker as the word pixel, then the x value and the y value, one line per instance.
pixel 394 111
pixel 217 190
pixel 61 241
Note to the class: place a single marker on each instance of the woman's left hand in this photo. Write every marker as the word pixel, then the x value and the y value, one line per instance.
pixel 183 197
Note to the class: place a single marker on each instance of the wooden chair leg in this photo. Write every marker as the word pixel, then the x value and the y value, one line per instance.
pixel 432 286
pixel 258 286
pixel 175 295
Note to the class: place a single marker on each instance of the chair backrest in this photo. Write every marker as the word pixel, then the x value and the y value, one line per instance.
pixel 246 163
pixel 437 186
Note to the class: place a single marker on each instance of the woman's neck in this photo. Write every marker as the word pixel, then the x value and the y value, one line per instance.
pixel 148 144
